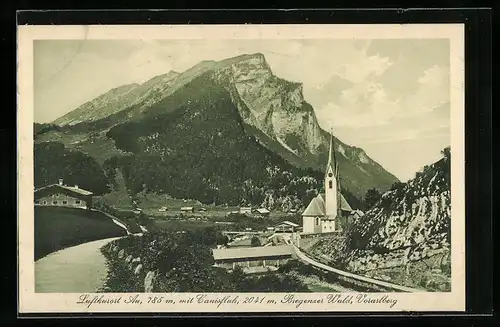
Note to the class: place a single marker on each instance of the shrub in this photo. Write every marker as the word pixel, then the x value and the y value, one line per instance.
pixel 185 264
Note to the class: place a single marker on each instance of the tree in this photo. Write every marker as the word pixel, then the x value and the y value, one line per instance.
pixel 255 241
pixel 446 152
pixel 222 239
pixel 372 196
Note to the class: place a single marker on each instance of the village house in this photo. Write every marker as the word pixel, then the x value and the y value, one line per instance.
pixel 263 212
pixel 328 212
pixel 245 210
pixel 61 195
pixel 286 227
pixel 270 257
pixel 187 209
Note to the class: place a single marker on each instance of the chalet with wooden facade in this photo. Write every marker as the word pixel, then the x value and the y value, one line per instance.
pixel 286 227
pixel 61 195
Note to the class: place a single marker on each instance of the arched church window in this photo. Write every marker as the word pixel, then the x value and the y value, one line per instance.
pixel 330 184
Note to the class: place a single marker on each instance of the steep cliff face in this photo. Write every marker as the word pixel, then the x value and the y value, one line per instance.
pixel 271 104
pixel 286 123
pixel 270 109
pixel 410 225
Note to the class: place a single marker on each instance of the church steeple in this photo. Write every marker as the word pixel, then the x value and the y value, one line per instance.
pixel 332 165
pixel 332 191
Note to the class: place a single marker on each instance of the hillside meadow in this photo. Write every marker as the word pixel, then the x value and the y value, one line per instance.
pixel 59 228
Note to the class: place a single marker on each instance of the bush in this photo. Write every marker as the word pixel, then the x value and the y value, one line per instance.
pixel 185 264
pixel 255 241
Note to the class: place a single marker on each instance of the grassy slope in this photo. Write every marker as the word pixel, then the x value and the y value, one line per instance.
pixel 58 228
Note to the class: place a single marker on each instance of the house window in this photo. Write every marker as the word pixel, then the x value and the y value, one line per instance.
pixel 54 202
pixel 317 221
pixel 330 184
pixel 65 202
pixel 77 201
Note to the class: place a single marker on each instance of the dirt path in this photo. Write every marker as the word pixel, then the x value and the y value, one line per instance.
pixel 78 269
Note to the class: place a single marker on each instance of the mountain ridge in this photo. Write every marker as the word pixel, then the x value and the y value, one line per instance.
pixel 273 110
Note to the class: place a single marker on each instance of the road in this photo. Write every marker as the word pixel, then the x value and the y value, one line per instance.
pixel 77 269
pixel 339 272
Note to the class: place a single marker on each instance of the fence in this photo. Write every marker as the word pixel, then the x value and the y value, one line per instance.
pixel 362 281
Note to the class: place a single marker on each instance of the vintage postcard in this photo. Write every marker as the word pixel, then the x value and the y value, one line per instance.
pixel 241 168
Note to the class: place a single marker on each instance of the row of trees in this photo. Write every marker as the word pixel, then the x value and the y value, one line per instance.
pixel 373 195
pixel 53 161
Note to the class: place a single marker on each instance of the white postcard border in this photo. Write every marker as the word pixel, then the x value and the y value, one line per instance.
pixel 31 302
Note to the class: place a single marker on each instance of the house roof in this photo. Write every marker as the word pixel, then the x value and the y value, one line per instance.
pixel 262 210
pixel 289 223
pixel 317 206
pixel 186 208
pixel 72 189
pixel 252 252
pixel 344 205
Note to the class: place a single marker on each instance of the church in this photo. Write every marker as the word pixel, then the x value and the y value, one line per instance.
pixel 328 211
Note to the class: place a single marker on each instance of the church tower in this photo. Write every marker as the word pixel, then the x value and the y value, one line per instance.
pixel 332 188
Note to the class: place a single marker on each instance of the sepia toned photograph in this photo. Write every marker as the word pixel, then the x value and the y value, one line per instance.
pixel 230 168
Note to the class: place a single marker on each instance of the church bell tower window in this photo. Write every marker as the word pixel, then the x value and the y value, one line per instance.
pixel 330 184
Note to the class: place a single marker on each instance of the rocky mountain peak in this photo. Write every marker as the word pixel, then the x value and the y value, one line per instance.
pixel 272 109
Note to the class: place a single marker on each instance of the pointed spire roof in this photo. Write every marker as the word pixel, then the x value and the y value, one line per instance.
pixel 332 162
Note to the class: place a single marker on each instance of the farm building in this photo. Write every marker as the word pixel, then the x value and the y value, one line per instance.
pixel 63 196
pixel 262 212
pixel 251 257
pixel 286 227
pixel 187 209
pixel 246 210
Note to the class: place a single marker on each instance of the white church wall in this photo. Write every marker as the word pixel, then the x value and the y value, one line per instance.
pixel 328 226
pixel 331 189
pixel 311 225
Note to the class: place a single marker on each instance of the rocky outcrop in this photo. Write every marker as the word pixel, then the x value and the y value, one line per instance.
pixel 271 104
pixel 405 237
pixel 150 281
pixel 284 122
pixel 409 226
pixel 138 269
